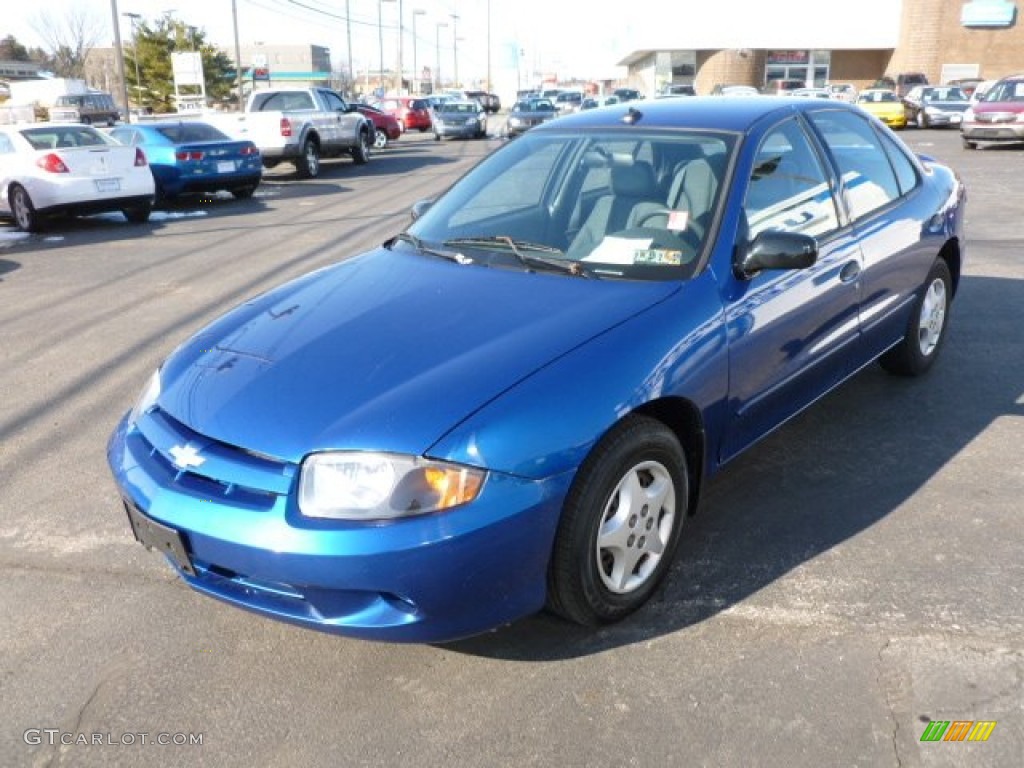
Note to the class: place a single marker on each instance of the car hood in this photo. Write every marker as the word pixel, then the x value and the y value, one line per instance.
pixel 386 351
pixel 1009 107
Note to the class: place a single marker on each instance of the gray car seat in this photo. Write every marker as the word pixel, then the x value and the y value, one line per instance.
pixel 634 193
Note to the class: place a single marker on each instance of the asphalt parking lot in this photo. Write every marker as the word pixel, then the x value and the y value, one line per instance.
pixel 852 577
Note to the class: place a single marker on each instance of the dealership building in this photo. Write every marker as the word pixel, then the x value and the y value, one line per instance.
pixel 817 41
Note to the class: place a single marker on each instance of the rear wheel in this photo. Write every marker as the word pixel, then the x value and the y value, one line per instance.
pixel 308 163
pixel 380 140
pixel 24 212
pixel 926 330
pixel 243 193
pixel 970 144
pixel 620 525
pixel 137 214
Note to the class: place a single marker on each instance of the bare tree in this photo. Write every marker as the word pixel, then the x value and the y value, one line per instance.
pixel 68 38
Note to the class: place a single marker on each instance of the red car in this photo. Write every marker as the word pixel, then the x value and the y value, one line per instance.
pixel 411 113
pixel 998 116
pixel 386 127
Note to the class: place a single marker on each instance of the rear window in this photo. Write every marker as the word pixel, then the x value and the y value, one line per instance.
pixel 68 101
pixel 284 101
pixel 419 104
pixel 181 133
pixel 64 137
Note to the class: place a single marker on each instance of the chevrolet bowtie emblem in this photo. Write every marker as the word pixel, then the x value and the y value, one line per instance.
pixel 186 457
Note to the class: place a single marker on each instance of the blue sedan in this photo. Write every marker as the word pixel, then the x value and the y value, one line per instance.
pixel 190 156
pixel 513 405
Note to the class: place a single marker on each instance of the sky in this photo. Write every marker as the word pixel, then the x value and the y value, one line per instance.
pixel 564 37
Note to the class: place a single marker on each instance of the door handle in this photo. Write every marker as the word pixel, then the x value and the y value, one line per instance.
pixel 849 272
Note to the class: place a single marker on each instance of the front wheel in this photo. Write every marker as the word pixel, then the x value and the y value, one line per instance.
pixel 361 153
pixel 926 330
pixel 620 525
pixel 380 140
pixel 24 212
pixel 970 144
pixel 243 193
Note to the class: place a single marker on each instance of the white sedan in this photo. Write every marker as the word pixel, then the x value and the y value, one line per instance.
pixel 49 169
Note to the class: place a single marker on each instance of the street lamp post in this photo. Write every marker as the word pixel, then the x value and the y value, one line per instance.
pixel 415 66
pixel 489 89
pixel 437 70
pixel 135 55
pixel 348 34
pixel 380 38
pixel 401 34
pixel 455 49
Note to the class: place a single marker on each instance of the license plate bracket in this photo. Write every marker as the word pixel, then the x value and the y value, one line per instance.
pixel 108 185
pixel 225 166
pixel 162 538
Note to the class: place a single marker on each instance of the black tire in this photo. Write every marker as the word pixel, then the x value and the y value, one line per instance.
pixel 922 120
pixel 926 331
pixel 361 152
pixel 270 163
pixel 86 121
pixel 308 163
pixel 437 137
pixel 424 129
pixel 23 211
pixel 599 577
pixel 243 193
pixel 970 144
pixel 138 214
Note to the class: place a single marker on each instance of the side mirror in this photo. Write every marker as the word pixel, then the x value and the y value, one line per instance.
pixel 420 207
pixel 776 250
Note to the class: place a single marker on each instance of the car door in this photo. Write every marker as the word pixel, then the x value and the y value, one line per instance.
pixel 793 333
pixel 879 184
pixel 345 122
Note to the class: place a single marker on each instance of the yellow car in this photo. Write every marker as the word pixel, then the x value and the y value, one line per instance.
pixel 885 105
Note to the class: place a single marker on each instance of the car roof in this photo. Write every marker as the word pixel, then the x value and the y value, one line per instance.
pixel 703 112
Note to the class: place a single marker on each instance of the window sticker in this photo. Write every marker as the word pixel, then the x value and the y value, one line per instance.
pixel 678 220
pixel 618 250
pixel 659 256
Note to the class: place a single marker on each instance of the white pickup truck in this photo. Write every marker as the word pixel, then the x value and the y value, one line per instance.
pixel 300 126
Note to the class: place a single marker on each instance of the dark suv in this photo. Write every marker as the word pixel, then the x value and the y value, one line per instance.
pixel 489 101
pixel 907 80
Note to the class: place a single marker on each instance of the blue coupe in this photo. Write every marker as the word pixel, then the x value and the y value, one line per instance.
pixel 190 156
pixel 513 405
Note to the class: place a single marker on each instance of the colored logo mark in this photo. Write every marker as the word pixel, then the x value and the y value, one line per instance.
pixel 958 730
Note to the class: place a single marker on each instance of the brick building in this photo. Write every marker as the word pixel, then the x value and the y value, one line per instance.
pixel 818 41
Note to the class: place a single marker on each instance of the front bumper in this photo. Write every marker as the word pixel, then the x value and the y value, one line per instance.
pixel 450 131
pixel 975 131
pixel 432 578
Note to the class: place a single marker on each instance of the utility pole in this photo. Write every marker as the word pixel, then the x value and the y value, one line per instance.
pixel 238 54
pixel 135 55
pixel 455 49
pixel 415 65
pixel 120 57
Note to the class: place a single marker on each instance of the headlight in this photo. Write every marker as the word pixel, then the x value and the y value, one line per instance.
pixel 514 121
pixel 376 486
pixel 932 111
pixel 471 121
pixel 147 398
pixel 968 114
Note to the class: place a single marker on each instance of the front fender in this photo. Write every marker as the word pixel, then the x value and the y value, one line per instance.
pixel 549 422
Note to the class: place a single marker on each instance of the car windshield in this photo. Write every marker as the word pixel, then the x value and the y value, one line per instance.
pixel 945 94
pixel 534 105
pixel 464 109
pixel 1012 90
pixel 878 97
pixel 635 207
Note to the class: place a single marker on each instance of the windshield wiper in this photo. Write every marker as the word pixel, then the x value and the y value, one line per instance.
pixel 419 245
pixel 519 248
